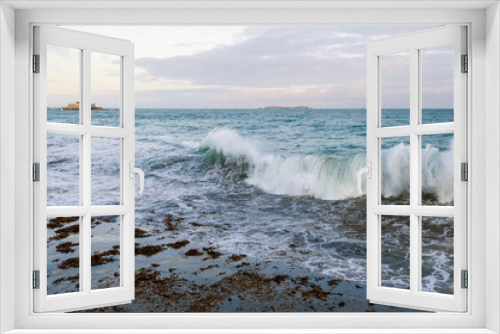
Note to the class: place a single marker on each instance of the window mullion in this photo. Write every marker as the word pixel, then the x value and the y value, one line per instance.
pixel 85 255
pixel 109 210
pixel 421 129
pixel 414 171
pixel 66 129
pixel 406 210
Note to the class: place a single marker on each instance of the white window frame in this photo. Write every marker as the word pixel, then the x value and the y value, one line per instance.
pixel 84 131
pixel 483 125
pixel 413 44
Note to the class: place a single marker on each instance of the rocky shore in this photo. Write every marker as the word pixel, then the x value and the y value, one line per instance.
pixel 180 276
pixel 174 274
pixel 186 277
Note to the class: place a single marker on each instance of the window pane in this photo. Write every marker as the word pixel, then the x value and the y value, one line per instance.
pixel 63 255
pixel 395 249
pixel 106 171
pixel 395 167
pixel 437 84
pixel 106 246
pixel 437 254
pixel 63 84
pixel 63 170
pixel 395 89
pixel 105 89
pixel 437 169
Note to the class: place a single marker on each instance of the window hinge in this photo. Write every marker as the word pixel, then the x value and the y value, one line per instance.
pixel 36 63
pixel 465 279
pixel 36 279
pixel 465 64
pixel 464 171
pixel 36 172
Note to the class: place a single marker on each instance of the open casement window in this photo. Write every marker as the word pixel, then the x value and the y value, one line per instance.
pixel 90 183
pixel 416 243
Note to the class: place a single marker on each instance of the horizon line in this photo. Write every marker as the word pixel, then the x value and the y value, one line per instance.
pixel 263 108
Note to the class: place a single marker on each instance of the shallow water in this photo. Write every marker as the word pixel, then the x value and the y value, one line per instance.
pixel 276 185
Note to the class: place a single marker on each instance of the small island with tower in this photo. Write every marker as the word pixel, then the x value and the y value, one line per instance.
pixel 76 106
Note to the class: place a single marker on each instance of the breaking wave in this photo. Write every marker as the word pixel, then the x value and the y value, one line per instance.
pixel 324 177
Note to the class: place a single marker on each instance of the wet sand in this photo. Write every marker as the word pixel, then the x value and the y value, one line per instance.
pixel 188 277
pixel 177 275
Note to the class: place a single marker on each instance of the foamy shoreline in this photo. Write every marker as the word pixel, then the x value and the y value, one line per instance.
pixel 237 283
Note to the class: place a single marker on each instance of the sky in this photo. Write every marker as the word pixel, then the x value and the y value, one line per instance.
pixel 252 67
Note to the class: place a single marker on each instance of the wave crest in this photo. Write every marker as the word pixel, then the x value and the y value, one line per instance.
pixel 323 177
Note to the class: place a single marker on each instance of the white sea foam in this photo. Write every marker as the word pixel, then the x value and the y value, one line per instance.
pixel 190 144
pixel 437 171
pixel 332 178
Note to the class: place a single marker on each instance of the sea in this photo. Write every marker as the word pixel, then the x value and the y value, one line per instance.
pixel 280 184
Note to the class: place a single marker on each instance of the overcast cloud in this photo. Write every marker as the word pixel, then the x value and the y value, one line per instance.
pixel 248 67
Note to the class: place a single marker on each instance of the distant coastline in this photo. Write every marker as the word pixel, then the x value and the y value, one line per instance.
pixel 278 107
pixel 76 106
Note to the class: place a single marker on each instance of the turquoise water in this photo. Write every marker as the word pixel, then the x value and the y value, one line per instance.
pixel 271 178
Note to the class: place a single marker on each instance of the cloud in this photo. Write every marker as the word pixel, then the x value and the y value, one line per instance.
pixel 271 57
pixel 320 66
pixel 350 95
pixel 271 63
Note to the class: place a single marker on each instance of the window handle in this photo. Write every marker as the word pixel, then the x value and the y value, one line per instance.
pixel 134 170
pixel 368 171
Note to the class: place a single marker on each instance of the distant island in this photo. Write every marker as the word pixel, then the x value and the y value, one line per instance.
pixel 76 106
pixel 277 107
